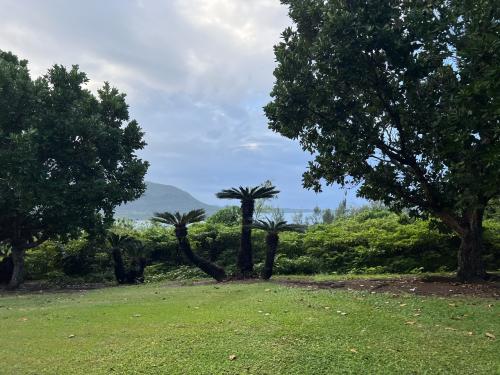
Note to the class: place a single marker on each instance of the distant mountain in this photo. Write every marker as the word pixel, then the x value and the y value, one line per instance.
pixel 159 198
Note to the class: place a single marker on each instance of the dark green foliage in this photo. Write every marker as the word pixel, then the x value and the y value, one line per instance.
pixel 247 197
pixel 401 97
pixel 67 157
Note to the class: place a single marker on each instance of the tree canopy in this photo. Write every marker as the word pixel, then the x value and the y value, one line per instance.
pixel 400 97
pixel 68 156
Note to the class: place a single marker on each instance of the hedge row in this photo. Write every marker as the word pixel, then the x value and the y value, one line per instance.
pixel 370 241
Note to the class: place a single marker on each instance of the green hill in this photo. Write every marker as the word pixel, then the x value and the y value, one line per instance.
pixel 159 198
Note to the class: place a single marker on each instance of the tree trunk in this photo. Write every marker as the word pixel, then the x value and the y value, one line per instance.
pixel 470 263
pixel 245 256
pixel 6 268
pixel 272 240
pixel 119 266
pixel 209 268
pixel 18 270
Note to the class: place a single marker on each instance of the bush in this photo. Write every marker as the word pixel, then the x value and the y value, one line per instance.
pixel 303 265
pixel 44 259
pixel 79 259
pixel 367 241
pixel 229 216
pixel 157 272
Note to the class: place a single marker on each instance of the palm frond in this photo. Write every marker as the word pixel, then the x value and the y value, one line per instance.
pixel 232 193
pixel 248 193
pixel 193 216
pixel 263 225
pixel 118 240
pixel 269 226
pixel 263 192
pixel 165 218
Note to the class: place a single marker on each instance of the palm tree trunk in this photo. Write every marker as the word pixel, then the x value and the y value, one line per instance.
pixel 245 255
pixel 272 240
pixel 209 268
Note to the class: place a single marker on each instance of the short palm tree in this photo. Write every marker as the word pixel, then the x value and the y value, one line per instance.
pixel 273 229
pixel 180 222
pixel 117 242
pixel 247 197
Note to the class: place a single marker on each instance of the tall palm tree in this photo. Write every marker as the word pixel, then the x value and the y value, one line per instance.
pixel 180 222
pixel 272 240
pixel 247 197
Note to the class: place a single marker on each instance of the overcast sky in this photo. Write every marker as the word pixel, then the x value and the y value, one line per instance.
pixel 197 74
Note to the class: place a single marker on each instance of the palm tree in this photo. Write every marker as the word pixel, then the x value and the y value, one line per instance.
pixel 135 272
pixel 247 197
pixel 118 242
pixel 180 222
pixel 272 239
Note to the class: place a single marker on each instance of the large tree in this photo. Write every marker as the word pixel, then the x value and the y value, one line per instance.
pixel 401 97
pixel 247 197
pixel 67 156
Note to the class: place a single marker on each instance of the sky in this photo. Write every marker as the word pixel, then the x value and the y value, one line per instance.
pixel 196 73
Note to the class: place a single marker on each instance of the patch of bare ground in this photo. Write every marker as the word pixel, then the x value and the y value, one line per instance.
pixel 31 287
pixel 425 286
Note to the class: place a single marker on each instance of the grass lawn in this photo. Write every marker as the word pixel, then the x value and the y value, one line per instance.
pixel 270 328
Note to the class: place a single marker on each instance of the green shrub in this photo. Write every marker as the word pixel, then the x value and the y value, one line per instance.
pixel 303 265
pixel 155 273
pixel 492 244
pixel 42 260
pixel 229 216
pixel 368 240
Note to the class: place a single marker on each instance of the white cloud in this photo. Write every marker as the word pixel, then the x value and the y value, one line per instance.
pixel 251 146
pixel 197 73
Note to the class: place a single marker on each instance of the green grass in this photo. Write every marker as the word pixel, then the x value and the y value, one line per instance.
pixel 272 329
